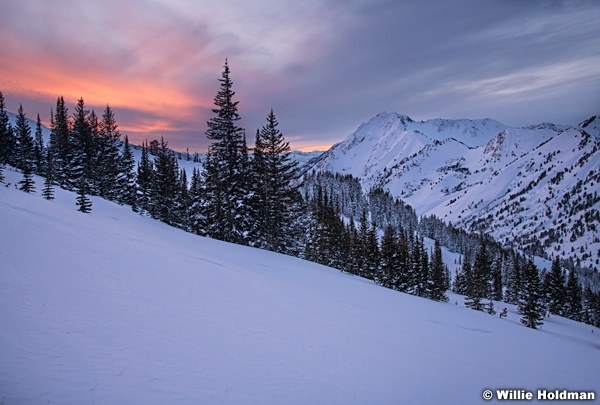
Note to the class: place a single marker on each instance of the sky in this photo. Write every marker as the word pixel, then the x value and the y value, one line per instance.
pixel 323 66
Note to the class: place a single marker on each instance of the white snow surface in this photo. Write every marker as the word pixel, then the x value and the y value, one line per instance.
pixel 484 176
pixel 115 308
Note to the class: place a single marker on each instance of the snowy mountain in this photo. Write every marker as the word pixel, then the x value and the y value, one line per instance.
pixel 535 187
pixel 113 307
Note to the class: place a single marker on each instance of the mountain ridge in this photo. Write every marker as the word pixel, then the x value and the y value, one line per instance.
pixel 485 176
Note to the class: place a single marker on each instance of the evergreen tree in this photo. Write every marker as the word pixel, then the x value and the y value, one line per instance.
pixel 573 305
pixel 126 179
pixel 372 252
pixel 478 286
pixel 591 307
pixel 108 166
pixel 83 203
pixel 196 219
pixel 275 199
pixel 7 137
pixel 390 257
pixel 437 279
pixel 48 190
pixel 401 283
pixel 183 203
pixel 419 269
pixel 39 154
pixel 60 146
pixel 497 290
pixel 463 276
pixel 531 304
pixel 81 149
pixel 27 184
pixel 145 175
pixel 224 193
pixel 514 277
pixel 165 186
pixel 24 158
pixel 555 285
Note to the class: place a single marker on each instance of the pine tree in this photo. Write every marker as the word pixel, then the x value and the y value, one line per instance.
pixel 437 279
pixel 401 282
pixel 7 137
pixel 275 201
pixel 531 304
pixel 84 204
pixel 224 175
pixel 197 221
pixel 27 184
pixel 513 282
pixel 39 154
pixel 60 146
pixel 24 158
pixel 108 165
pixel 573 305
pixel 555 283
pixel 145 175
pixel 126 179
pixel 478 286
pixel 81 148
pixel 463 275
pixel 165 186
pixel 497 290
pixel 48 190
pixel 390 255
pixel 419 269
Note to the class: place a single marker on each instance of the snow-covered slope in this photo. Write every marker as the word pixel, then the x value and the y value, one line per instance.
pixel 535 186
pixel 115 308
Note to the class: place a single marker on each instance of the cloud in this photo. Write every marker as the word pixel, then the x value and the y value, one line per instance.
pixel 323 65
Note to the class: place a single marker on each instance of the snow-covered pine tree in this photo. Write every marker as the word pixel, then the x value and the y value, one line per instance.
pixel 145 175
pixel 275 201
pixel 573 305
pixel 513 279
pixel 126 180
pixel 24 158
pixel 39 151
pixel 81 148
pixel 401 281
pixel 48 190
pixel 225 198
pixel 478 286
pixel 555 288
pixel 59 142
pixel 83 203
pixel 165 186
pixel 389 264
pixel 497 288
pixel 419 269
pixel 531 303
pixel 197 223
pixel 437 275
pixel 463 275
pixel 107 167
pixel 7 137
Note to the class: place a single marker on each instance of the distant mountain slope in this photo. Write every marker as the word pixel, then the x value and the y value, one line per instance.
pixel 116 308
pixel 536 186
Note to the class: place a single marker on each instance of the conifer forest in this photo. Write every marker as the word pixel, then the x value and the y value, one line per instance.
pixel 258 196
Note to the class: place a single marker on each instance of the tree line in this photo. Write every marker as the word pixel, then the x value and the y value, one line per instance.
pixel 257 197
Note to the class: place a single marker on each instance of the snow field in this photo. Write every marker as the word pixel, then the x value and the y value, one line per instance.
pixel 112 307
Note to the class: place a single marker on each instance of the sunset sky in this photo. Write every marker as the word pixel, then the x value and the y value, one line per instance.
pixel 324 66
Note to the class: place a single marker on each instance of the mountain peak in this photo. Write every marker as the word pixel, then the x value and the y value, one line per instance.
pixel 510 182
